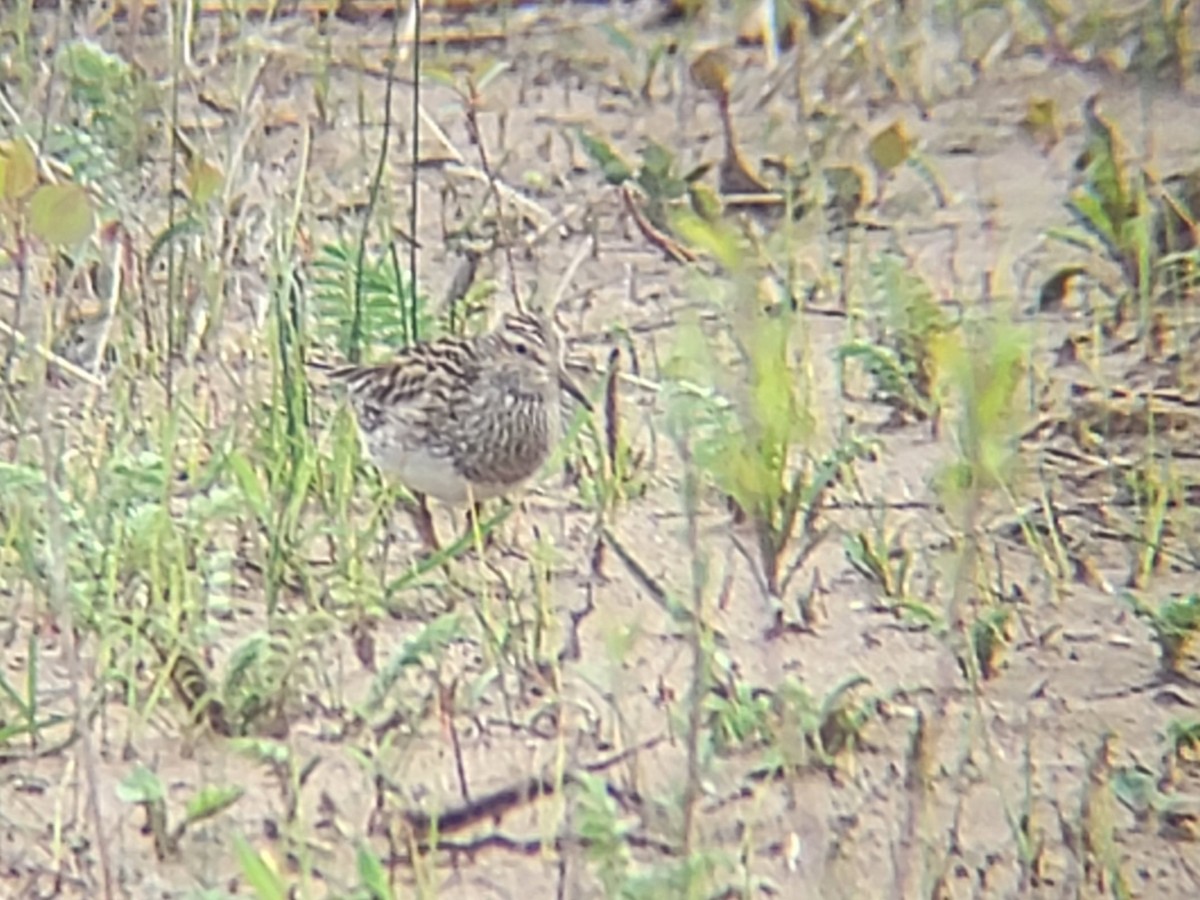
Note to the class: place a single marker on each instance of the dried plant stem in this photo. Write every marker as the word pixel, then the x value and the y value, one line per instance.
pixel 691 791
pixel 472 104
pixel 65 364
pixel 60 603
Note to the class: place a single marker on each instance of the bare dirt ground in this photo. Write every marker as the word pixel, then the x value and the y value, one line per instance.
pixel 955 789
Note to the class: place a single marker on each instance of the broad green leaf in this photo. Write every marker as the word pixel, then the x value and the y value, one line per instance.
pixel 61 214
pixel 203 181
pixel 18 170
pixel 891 147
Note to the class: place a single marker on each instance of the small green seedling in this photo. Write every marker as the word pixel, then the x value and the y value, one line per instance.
pixel 1174 626
pixel 143 788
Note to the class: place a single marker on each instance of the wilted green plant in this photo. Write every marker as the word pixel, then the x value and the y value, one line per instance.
pixel 752 430
pixel 1174 625
pixel 143 788
pixel 991 634
pixel 656 179
pixel 1125 214
pixel 1183 737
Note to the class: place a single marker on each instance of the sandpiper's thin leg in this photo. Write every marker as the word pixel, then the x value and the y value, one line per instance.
pixel 423 520
pixel 474 525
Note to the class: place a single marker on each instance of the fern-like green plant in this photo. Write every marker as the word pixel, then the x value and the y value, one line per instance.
pixel 110 97
pixel 387 299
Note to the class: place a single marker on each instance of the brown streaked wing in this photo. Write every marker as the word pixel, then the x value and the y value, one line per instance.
pixel 418 371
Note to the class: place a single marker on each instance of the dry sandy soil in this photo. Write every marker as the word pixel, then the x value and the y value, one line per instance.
pixel 928 803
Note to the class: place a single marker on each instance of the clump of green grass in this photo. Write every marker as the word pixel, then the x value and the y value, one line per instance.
pixel 788 727
pixel 880 556
pixel 1125 215
pixel 753 433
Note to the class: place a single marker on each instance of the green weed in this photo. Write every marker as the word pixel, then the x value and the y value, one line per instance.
pixel 143 788
pixel 1174 626
pixel 902 358
pixel 1183 738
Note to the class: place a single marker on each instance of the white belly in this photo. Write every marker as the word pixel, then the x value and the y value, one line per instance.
pixel 434 476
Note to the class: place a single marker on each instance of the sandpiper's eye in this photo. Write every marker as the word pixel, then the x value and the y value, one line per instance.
pixel 521 348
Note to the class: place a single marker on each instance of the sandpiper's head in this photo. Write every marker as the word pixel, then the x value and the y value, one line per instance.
pixel 528 339
pixel 530 343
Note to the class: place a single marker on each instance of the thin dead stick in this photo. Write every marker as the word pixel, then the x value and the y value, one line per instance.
pixel 660 239
pixel 460 167
pixel 494 805
pixel 826 47
pixel 110 313
pixel 51 357
pixel 569 275
pixel 52 447
pixel 536 237
pixel 409 31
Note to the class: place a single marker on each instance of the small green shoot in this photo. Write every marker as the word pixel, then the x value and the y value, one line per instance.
pixel 1183 739
pixel 143 788
pixel 262 876
pixel 663 188
pixel 991 635
pixel 881 558
pixel 1174 626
